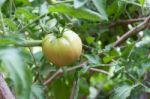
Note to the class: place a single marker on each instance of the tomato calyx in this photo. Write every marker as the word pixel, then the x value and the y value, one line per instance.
pixel 60 33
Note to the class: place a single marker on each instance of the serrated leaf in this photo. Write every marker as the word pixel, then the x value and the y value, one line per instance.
pixel 84 87
pixel 18 72
pixel 10 40
pixel 94 59
pixel 101 7
pixel 122 92
pixel 83 13
pixel 79 3
pixel 43 8
pixel 10 23
pixel 90 39
pixel 107 59
pixel 144 42
pixel 52 23
pixel 117 8
pixel 23 13
pixel 120 9
pixel 60 86
pixel 37 92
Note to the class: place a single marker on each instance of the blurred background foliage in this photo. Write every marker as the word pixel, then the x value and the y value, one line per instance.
pixel 25 69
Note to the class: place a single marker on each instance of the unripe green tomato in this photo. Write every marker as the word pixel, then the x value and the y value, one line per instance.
pixel 64 50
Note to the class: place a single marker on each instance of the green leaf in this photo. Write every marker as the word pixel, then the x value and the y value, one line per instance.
pixel 90 39
pixel 94 59
pixel 83 13
pixel 117 8
pixel 83 86
pixel 101 7
pixel 60 89
pixel 142 2
pixel 10 24
pixel 18 72
pixel 108 59
pixel 144 42
pixel 122 92
pixel 43 8
pixel 4 42
pixel 10 40
pixel 52 23
pixel 2 2
pixel 37 92
pixel 79 3
pixel 23 13
pixel 120 9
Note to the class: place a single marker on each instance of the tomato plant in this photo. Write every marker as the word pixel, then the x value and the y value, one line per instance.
pixel 103 52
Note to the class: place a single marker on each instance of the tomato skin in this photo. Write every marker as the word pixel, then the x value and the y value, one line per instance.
pixel 64 50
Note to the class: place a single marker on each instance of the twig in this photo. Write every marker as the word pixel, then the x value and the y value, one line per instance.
pixel 128 21
pixel 35 20
pixel 134 3
pixel 121 22
pixel 2 22
pixel 29 43
pixel 59 2
pixel 4 89
pixel 59 72
pixel 56 74
pixel 74 89
pixel 134 31
pixel 98 70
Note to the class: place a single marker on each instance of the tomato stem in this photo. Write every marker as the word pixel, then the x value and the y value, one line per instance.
pixel 60 32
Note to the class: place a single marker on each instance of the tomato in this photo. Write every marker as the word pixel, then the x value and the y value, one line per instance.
pixel 63 50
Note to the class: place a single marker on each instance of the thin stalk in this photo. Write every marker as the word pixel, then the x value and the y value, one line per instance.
pixel 2 22
pixel 59 2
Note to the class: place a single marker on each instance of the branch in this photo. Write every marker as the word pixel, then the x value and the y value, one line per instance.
pixel 121 22
pixel 35 20
pixel 134 31
pixel 98 70
pixel 4 89
pixel 129 21
pixel 29 43
pixel 33 43
pixel 59 72
pixel 74 89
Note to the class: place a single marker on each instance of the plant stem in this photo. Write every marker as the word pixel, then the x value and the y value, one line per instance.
pixel 59 72
pixel 36 19
pixel 134 31
pixel 59 2
pixel 5 92
pixel 2 22
pixel 29 43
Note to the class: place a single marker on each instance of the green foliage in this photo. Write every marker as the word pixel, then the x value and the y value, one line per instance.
pixel 122 92
pixel 101 7
pixel 19 73
pixel 119 72
pixel 83 13
pixel 37 92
